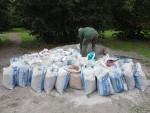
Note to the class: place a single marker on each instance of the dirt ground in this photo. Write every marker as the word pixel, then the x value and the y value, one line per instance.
pixel 25 100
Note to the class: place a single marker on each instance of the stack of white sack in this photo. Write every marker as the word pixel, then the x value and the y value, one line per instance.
pixel 57 68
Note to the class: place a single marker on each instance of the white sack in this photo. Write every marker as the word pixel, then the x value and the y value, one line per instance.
pixel 104 83
pixel 62 80
pixel 127 71
pixel 117 79
pixel 37 81
pixel 30 72
pixel 50 79
pixel 8 78
pixel 23 75
pixel 88 79
pixel 140 78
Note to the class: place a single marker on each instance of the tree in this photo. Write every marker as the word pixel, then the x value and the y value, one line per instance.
pixel 59 20
pixel 131 17
pixel 4 15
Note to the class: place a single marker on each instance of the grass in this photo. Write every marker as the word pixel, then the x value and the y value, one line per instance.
pixel 140 47
pixel 4 39
pixel 30 41
pixel 109 33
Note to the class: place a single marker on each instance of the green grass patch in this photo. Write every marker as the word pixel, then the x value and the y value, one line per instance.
pixel 109 33
pixel 140 47
pixel 4 39
pixel 29 41
pixel 18 30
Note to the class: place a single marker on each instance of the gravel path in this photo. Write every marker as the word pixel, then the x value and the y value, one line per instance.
pixel 25 100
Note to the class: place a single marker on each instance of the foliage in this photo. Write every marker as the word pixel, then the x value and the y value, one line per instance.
pixel 15 18
pixel 59 20
pixel 131 17
pixel 4 15
pixel 29 42
pixel 140 47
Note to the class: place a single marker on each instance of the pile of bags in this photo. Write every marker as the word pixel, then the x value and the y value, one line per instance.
pixel 58 69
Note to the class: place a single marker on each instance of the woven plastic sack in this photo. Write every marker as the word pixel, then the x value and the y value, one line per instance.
pixel 50 79
pixel 104 83
pixel 116 79
pixel 37 81
pixel 23 75
pixel 30 72
pixel 125 60
pixel 16 65
pixel 62 80
pixel 67 53
pixel 139 76
pixel 88 80
pixel 8 77
pixel 128 71
pixel 75 79
pixel 69 60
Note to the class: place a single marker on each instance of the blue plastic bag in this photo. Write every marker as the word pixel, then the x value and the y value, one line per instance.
pixel 91 56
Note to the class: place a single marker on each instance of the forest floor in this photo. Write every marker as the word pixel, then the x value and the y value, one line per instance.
pixel 25 100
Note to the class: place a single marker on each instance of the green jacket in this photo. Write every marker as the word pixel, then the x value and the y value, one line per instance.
pixel 87 32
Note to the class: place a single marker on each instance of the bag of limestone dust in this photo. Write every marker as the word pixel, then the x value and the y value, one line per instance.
pixel 23 72
pixel 140 78
pixel 88 80
pixel 116 79
pixel 62 80
pixel 50 79
pixel 8 78
pixel 104 83
pixel 30 71
pixel 37 82
pixel 75 79
pixel 128 71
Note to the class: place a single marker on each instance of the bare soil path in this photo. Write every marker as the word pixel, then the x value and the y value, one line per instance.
pixel 10 50
pixel 25 100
